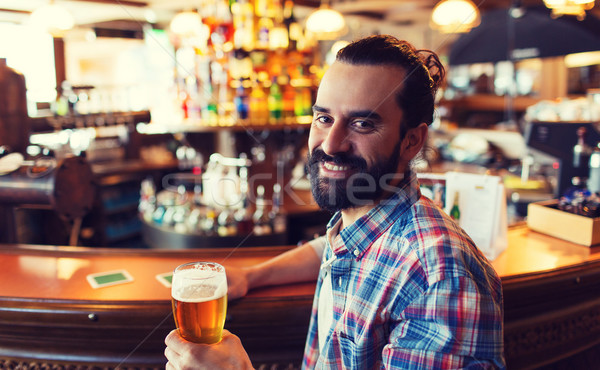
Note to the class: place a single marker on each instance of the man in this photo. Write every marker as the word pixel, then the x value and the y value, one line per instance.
pixel 400 285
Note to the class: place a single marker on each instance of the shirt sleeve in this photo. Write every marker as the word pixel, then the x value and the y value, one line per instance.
pixel 318 245
pixel 454 324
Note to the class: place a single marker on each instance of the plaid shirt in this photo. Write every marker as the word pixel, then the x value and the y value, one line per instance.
pixel 410 291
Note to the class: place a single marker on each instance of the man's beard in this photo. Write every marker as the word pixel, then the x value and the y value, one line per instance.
pixel 363 187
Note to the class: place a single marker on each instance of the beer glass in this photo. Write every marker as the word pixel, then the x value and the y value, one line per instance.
pixel 199 298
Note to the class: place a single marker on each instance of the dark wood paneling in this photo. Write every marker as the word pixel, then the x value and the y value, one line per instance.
pixel 552 316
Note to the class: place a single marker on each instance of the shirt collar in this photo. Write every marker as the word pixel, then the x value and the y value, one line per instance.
pixel 358 237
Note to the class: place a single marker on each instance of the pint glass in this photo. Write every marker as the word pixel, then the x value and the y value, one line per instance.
pixel 199 298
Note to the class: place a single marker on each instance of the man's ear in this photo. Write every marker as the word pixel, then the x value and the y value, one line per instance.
pixel 413 141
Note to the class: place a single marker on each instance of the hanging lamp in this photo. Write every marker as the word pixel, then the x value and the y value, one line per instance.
pixel 188 24
pixel 569 7
pixel 455 16
pixel 326 23
pixel 53 18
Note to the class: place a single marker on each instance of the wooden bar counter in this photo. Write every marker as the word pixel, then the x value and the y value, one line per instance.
pixel 50 317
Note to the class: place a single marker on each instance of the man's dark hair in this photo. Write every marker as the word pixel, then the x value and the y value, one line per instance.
pixel 424 73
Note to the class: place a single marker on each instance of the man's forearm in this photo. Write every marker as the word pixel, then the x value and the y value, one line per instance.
pixel 296 265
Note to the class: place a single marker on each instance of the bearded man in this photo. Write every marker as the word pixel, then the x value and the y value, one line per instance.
pixel 399 284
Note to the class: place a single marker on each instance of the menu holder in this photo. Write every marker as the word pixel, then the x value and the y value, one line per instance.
pixel 482 206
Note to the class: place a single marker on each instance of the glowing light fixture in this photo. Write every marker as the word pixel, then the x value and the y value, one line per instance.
pixel 455 16
pixel 326 23
pixel 53 18
pixel 188 24
pixel 569 7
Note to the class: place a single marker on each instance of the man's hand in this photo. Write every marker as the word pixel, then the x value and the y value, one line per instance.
pixel 227 354
pixel 237 282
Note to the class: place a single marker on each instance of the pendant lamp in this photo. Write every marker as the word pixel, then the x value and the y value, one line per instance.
pixel 455 16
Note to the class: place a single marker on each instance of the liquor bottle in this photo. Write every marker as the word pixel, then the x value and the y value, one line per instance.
pixel 293 27
pixel 303 98
pixel 180 216
pixel 261 8
pixel 275 102
pixel 194 219
pixel 227 223
pixel 265 25
pixel 277 219
pixel 209 223
pixel 243 215
pixel 241 101
pixel 243 24
pixel 455 210
pixel 158 215
pixel 594 177
pixel 581 150
pixel 209 110
pixel 167 219
pixel 243 218
pixel 288 97
pixel 275 10
pixel 147 202
pixel 260 218
pixel 259 109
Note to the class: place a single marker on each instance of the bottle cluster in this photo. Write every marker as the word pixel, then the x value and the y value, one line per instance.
pixel 201 212
pixel 581 202
pixel 255 65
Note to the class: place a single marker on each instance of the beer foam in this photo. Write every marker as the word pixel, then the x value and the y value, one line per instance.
pixel 198 286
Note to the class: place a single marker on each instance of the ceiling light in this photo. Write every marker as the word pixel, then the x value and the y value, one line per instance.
pixel 188 24
pixel 455 16
pixel 569 7
pixel 326 23
pixel 53 18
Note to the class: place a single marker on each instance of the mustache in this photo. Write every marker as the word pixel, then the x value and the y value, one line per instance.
pixel 341 159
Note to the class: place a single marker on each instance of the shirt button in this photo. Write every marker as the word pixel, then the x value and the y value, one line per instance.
pixel 356 252
pixel 340 282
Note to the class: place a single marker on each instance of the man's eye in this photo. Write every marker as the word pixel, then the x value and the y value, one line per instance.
pixel 363 125
pixel 323 119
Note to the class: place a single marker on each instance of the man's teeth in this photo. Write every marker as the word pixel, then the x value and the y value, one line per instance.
pixel 335 167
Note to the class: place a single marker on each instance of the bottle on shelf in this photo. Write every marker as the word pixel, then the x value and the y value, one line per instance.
pixel 243 218
pixel 303 97
pixel 209 224
pixel 209 109
pixel 227 223
pixel 243 24
pixel 264 25
pixel 455 210
pixel 294 29
pixel 277 219
pixel 241 101
pixel 243 215
pixel 581 150
pixel 259 109
pixel 260 218
pixel 147 203
pixel 594 177
pixel 288 97
pixel 180 217
pixel 194 219
pixel 275 102
pixel 158 215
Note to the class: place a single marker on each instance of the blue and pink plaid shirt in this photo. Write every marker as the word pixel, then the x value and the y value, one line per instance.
pixel 410 291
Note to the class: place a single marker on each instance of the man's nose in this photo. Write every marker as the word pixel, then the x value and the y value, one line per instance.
pixel 337 139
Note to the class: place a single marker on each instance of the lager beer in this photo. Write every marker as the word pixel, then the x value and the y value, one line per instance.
pixel 199 298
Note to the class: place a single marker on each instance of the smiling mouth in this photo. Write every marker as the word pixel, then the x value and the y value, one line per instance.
pixel 332 170
pixel 335 167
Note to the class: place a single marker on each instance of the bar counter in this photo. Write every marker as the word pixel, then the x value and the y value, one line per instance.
pixel 51 316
